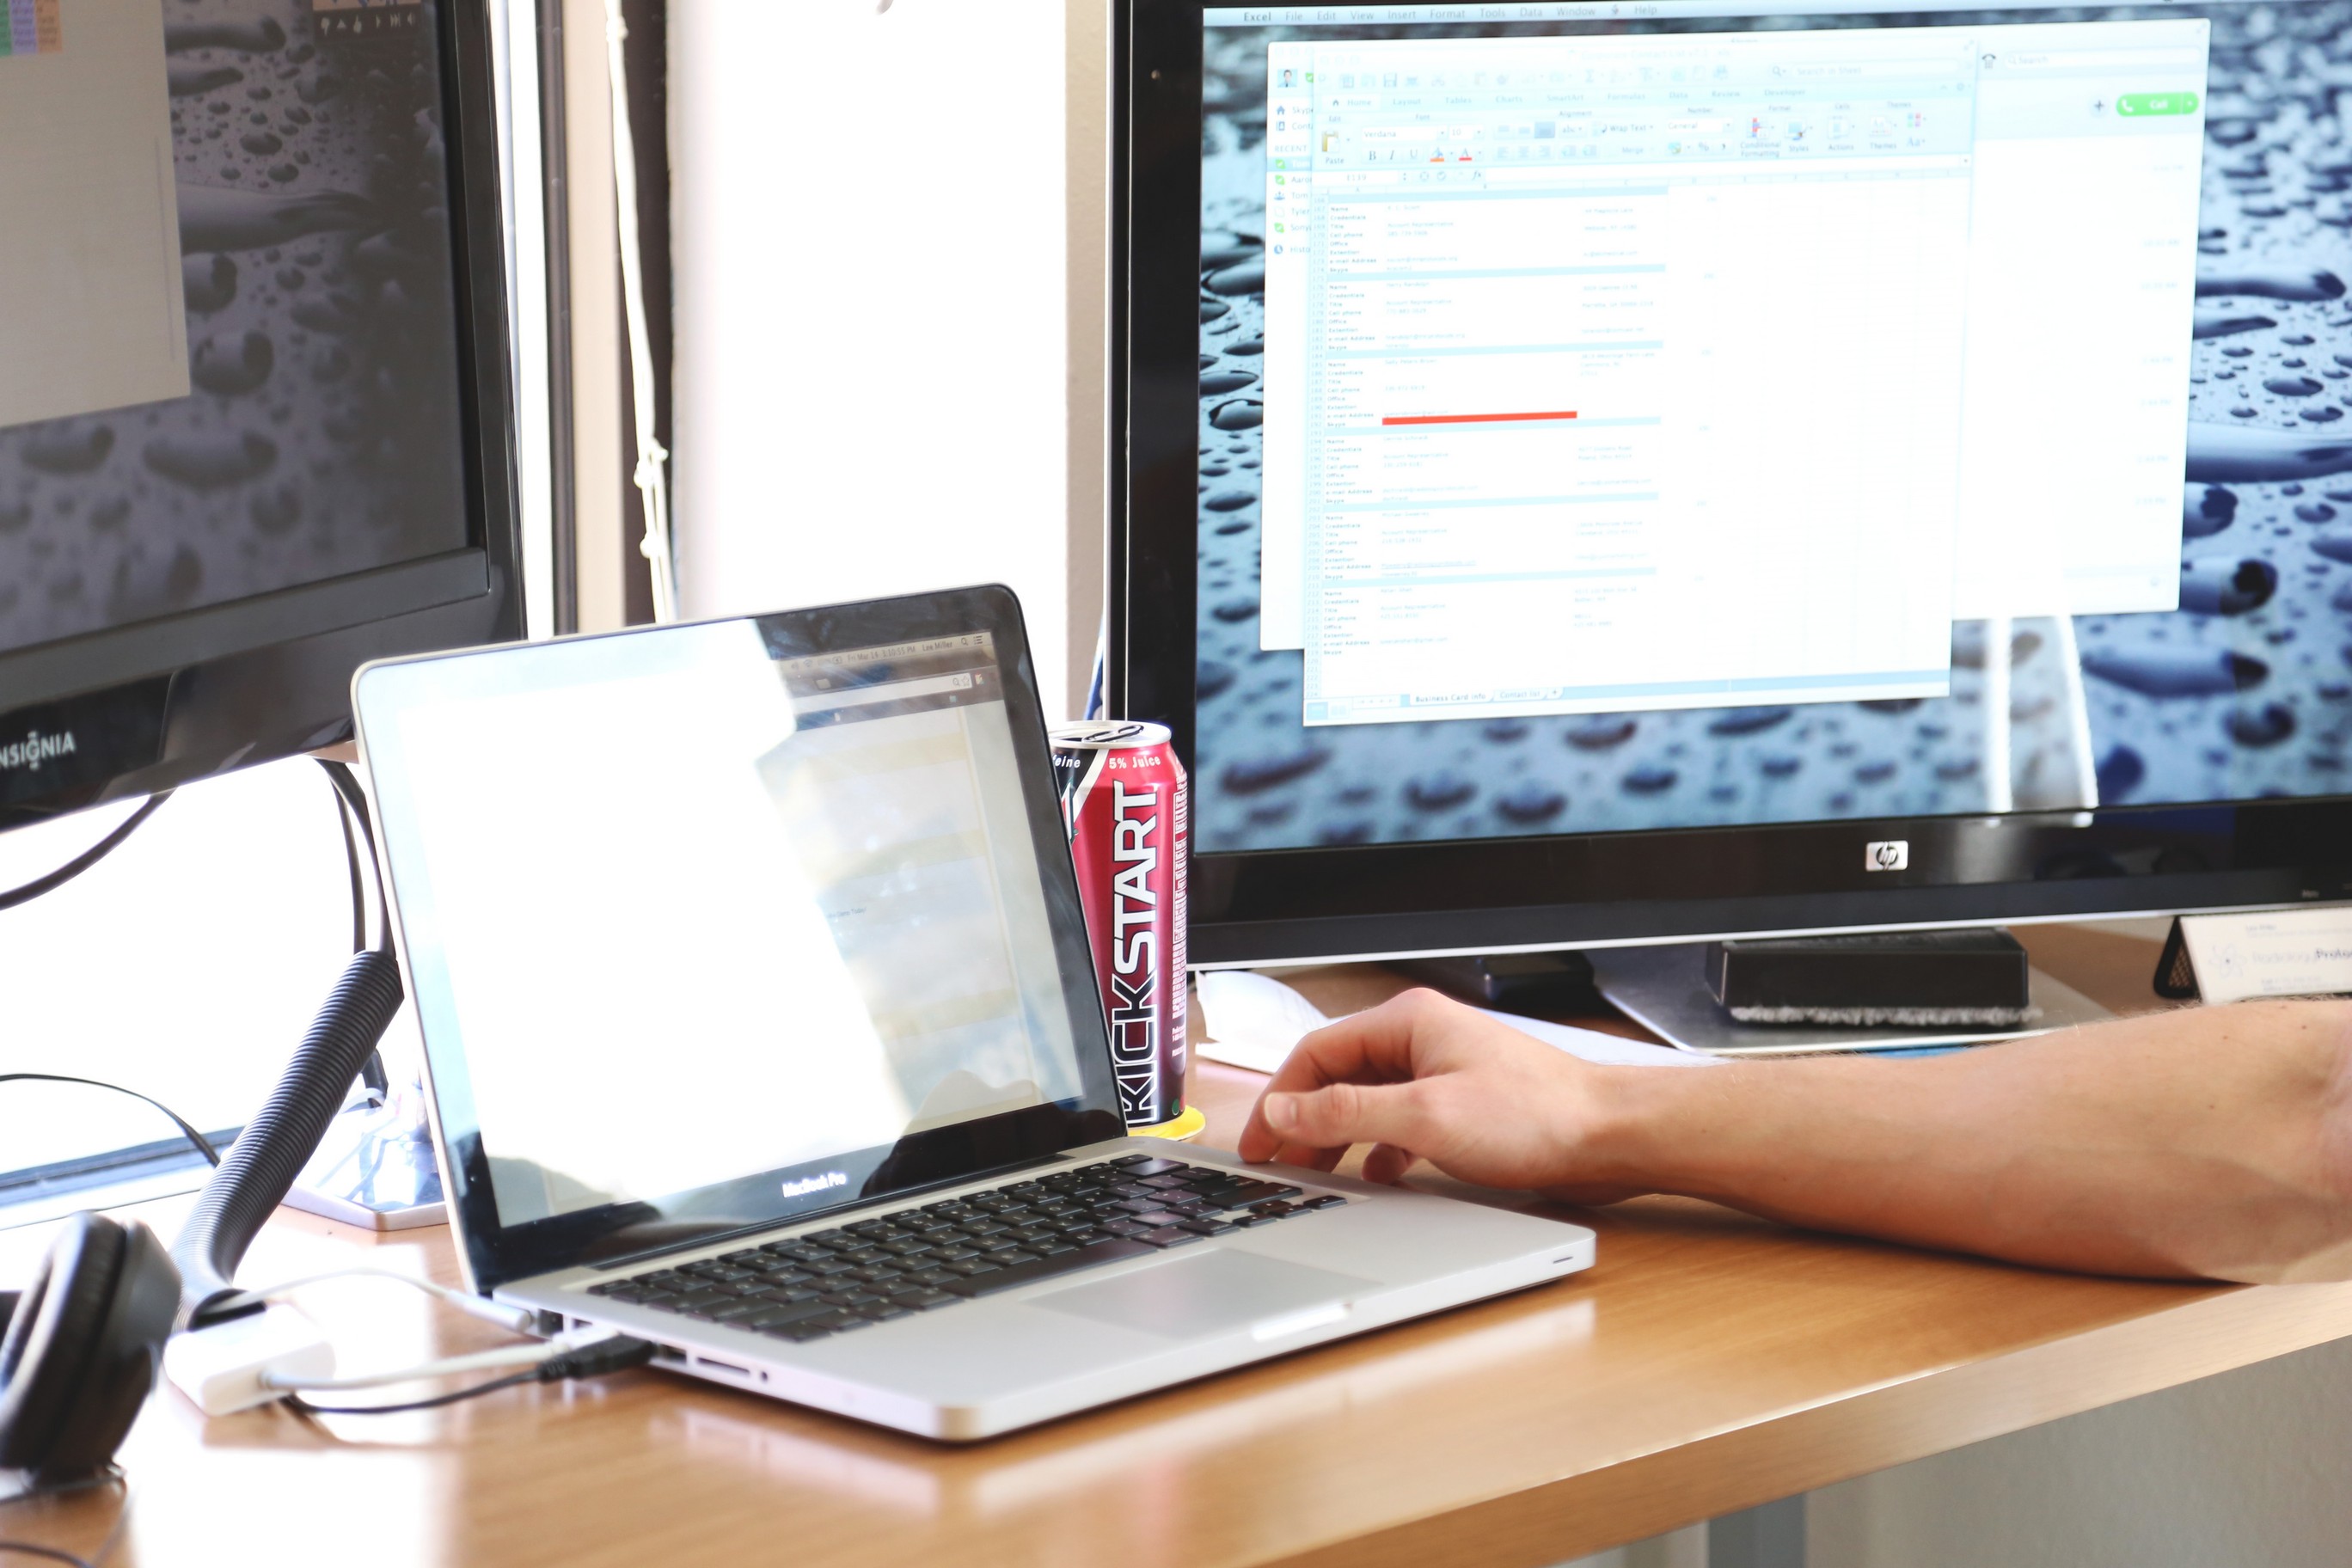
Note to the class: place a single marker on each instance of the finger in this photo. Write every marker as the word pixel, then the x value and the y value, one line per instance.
pixel 1387 1165
pixel 1374 1047
pixel 1339 1115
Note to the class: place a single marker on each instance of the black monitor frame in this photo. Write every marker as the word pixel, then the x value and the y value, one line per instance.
pixel 156 703
pixel 1568 890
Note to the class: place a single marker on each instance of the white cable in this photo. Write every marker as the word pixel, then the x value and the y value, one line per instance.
pixel 480 1360
pixel 652 479
pixel 515 1319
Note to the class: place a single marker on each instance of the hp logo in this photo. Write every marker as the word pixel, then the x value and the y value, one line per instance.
pixel 1886 855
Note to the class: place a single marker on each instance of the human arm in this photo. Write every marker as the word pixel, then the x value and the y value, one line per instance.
pixel 2213 1142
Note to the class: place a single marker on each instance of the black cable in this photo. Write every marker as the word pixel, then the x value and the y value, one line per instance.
pixel 373 1075
pixel 616 1353
pixel 438 1400
pixel 86 860
pixel 280 1140
pixel 351 864
pixel 355 800
pixel 204 1144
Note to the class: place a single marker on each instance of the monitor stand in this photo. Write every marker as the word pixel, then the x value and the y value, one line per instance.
pixel 1665 990
pixel 374 1168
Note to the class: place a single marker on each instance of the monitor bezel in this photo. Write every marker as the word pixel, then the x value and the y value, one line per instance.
pixel 497 1253
pixel 177 698
pixel 1567 890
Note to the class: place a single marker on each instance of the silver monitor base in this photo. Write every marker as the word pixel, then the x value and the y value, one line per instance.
pixel 1664 989
pixel 375 1169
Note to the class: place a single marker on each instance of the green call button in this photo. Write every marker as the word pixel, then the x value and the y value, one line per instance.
pixel 2136 103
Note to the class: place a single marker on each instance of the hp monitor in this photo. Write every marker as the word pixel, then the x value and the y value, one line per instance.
pixel 1600 472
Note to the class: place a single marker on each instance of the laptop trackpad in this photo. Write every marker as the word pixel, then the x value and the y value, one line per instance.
pixel 1205 1294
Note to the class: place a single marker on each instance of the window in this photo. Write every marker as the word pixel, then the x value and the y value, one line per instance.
pixel 1676 370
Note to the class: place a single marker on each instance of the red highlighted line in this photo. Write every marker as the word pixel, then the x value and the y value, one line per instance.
pixel 1475 419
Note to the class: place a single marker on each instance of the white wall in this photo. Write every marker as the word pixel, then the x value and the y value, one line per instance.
pixel 872 253
pixel 186 966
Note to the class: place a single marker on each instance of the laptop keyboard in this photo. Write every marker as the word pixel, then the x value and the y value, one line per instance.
pixel 921 1259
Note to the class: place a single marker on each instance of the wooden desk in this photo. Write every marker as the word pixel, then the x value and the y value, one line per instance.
pixel 1709 1363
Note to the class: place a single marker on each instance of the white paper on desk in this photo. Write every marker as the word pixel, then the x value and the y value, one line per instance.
pixel 1254 1020
pixel 2271 953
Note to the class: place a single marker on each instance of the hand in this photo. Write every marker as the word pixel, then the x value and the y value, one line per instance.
pixel 1423 1078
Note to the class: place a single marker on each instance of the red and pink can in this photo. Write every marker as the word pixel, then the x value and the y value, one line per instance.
pixel 1125 805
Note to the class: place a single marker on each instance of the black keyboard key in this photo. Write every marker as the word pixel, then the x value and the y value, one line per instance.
pixel 1169 1235
pixel 907 1249
pixel 836 1323
pixel 1165 1183
pixel 1053 1248
pixel 1323 1201
pixel 741 1260
pixel 609 1285
pixel 699 1299
pixel 831 1266
pixel 728 1310
pixel 1241 1195
pixel 883 1311
pixel 946 1257
pixel 1137 1166
pixel 777 1317
pixel 1123 1227
pixel 970 1267
pixel 800 1333
pixel 1277 1208
pixel 1127 1161
pixel 822 1236
pixel 1093 1256
pixel 790 1295
pixel 1204 1227
pixel 1252 1220
pixel 1158 1218
pixel 873 1274
pixel 925 1300
pixel 1005 1257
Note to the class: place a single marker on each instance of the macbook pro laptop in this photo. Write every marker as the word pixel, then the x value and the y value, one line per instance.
pixel 760 1024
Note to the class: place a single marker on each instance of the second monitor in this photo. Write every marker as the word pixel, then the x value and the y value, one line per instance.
pixel 1709 467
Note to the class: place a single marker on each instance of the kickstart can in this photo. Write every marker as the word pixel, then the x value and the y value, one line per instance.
pixel 1125 805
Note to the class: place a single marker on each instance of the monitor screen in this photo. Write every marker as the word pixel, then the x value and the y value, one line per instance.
pixel 230 355
pixel 704 925
pixel 1700 413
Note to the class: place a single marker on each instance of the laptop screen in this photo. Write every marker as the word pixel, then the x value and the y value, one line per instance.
pixel 709 926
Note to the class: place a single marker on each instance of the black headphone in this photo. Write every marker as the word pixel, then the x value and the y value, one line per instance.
pixel 79 1347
